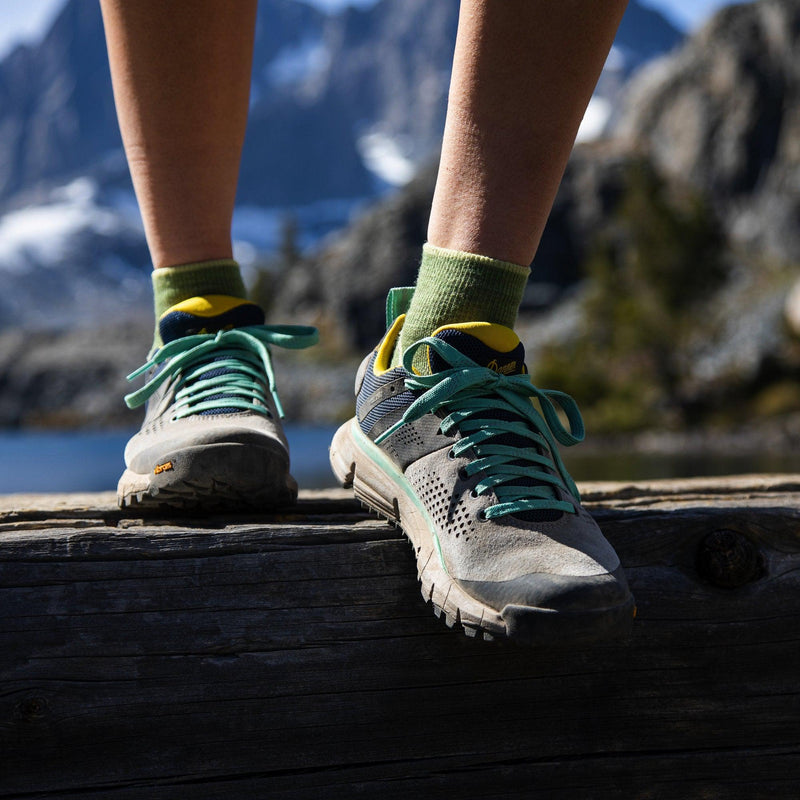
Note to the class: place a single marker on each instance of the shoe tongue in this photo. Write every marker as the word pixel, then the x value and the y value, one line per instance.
pixel 487 344
pixel 209 314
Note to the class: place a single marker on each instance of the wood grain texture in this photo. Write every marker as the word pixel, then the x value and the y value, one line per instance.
pixel 291 656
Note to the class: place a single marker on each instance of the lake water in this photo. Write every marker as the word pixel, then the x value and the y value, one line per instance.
pixel 92 461
pixel 80 461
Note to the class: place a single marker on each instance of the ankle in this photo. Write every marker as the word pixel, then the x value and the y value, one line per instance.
pixel 172 285
pixel 455 287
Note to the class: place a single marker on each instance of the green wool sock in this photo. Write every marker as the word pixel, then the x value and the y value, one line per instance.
pixel 172 285
pixel 461 287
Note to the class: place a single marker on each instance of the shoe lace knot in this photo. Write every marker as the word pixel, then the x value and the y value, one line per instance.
pixel 230 369
pixel 513 444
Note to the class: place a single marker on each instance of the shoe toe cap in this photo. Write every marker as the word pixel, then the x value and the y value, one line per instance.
pixel 560 610
pixel 557 593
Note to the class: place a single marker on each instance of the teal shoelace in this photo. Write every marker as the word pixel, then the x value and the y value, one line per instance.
pixel 229 369
pixel 472 396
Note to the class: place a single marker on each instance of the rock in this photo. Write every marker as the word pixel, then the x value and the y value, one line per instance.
pixel 791 309
pixel 335 97
pixel 723 112
pixel 76 379
pixel 70 379
pixel 343 287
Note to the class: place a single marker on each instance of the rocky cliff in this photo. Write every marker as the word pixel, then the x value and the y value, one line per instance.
pixel 715 124
pixel 719 115
pixel 724 114
pixel 342 104
pixel 714 128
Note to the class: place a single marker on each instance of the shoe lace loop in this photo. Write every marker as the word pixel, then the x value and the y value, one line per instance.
pixel 228 369
pixel 484 406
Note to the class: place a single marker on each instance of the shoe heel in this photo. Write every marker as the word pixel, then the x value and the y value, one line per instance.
pixel 227 475
pixel 342 458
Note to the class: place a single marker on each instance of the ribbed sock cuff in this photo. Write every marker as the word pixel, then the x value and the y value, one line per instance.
pixel 462 287
pixel 172 285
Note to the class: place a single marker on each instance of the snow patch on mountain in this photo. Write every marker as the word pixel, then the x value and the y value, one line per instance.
pixel 72 260
pixel 595 120
pixel 297 63
pixel 43 234
pixel 259 233
pixel 385 157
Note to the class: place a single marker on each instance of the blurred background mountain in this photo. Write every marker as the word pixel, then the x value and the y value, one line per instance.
pixel 665 294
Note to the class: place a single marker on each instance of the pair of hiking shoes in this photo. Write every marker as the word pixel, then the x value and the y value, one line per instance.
pixel 449 445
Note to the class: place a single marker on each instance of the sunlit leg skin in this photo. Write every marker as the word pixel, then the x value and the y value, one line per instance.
pixel 211 438
pixel 181 76
pixel 523 74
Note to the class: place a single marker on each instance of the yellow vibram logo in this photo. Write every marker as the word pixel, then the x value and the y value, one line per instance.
pixel 162 467
pixel 506 369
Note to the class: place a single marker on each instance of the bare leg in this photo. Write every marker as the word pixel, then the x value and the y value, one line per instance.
pixel 523 73
pixel 181 75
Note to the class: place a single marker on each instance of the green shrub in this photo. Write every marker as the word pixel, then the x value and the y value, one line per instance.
pixel 650 271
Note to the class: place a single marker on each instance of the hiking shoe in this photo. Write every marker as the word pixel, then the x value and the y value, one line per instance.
pixel 211 436
pixel 463 461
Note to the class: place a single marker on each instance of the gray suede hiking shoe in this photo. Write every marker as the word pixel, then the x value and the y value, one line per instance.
pixel 466 464
pixel 211 437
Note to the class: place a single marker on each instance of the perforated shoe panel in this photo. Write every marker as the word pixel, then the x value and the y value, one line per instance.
pixel 500 549
pixel 416 439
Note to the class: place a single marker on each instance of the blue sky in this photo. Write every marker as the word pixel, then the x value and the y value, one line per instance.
pixel 25 21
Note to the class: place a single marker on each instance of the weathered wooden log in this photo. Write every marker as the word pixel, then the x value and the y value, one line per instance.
pixel 291 656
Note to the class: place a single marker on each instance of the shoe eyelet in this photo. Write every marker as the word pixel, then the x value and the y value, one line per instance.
pixel 481 515
pixel 451 455
pixel 473 494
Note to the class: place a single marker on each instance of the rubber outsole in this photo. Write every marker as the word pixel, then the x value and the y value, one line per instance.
pixel 215 477
pixel 527 625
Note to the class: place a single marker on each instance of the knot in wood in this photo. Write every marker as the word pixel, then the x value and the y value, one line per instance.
pixel 32 708
pixel 728 560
